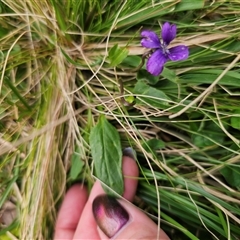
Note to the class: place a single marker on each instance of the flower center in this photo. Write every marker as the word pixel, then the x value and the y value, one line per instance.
pixel 165 51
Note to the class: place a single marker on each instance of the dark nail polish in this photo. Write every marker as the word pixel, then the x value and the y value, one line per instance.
pixel 109 214
pixel 130 153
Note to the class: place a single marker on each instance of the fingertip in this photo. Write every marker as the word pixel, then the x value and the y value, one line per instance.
pixel 117 219
pixel 131 173
pixel 147 229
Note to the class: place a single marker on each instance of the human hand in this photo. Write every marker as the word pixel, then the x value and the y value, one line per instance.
pixel 98 216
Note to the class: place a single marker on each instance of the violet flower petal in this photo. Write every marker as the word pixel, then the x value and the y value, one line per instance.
pixel 178 53
pixel 156 62
pixel 150 39
pixel 168 32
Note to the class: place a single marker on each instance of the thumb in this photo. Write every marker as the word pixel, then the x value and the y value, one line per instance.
pixel 117 219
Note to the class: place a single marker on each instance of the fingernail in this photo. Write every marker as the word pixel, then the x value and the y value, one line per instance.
pixel 109 214
pixel 129 152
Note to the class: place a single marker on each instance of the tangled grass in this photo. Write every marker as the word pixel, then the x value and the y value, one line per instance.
pixel 57 79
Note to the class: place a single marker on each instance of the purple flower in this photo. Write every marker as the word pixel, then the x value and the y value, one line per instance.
pixel 161 54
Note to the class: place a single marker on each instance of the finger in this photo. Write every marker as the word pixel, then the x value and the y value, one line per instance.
pixel 119 220
pixel 87 228
pixel 70 212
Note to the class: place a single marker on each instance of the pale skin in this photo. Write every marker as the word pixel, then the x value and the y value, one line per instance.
pixel 76 221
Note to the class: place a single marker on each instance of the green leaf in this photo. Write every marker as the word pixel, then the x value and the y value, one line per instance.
pixel 130 99
pixel 170 75
pixel 76 164
pixel 116 55
pixel 208 135
pixel 107 155
pixel 231 78
pixel 201 141
pixel 153 145
pixel 184 5
pixel 232 175
pixel 235 120
pixel 152 95
pixel 145 75
pixel 132 61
